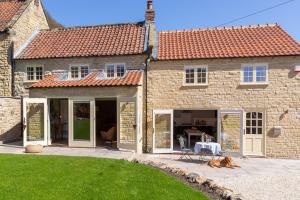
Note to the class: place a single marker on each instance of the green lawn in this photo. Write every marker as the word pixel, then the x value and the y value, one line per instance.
pixel 53 177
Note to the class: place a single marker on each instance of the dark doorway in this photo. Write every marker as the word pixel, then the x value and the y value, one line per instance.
pixel 59 122
pixel 106 123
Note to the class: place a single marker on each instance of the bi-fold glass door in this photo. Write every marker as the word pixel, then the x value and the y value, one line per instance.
pixel 162 131
pixel 231 128
pixel 82 123
pixel 35 129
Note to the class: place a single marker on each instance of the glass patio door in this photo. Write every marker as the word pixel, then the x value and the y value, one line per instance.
pixel 35 129
pixel 231 131
pixel 162 131
pixel 81 123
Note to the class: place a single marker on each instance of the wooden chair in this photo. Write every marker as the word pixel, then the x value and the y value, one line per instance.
pixel 109 136
pixel 184 151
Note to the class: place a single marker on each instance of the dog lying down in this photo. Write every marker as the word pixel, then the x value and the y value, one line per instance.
pixel 226 162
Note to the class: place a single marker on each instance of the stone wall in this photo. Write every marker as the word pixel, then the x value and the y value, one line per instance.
pixel 5 65
pixel 280 99
pixel 10 119
pixel 127 123
pixel 31 20
pixel 21 86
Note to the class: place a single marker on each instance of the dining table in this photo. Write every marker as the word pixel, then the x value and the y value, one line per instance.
pixel 191 132
pixel 213 146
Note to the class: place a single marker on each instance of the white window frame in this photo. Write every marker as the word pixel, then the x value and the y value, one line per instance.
pixel 195 75
pixel 79 66
pixel 254 81
pixel 115 70
pixel 34 73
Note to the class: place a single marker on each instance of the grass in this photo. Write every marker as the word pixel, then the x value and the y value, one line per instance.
pixel 55 177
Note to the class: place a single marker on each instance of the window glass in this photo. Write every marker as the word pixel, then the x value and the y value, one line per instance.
pixel 30 73
pixel 254 123
pixel 110 71
pixel 202 75
pixel 120 70
pixel 84 71
pixel 248 74
pixel 261 73
pixel 189 75
pixel 74 72
pixel 39 73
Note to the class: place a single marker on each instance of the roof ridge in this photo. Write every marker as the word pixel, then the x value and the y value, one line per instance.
pixel 222 28
pixel 94 26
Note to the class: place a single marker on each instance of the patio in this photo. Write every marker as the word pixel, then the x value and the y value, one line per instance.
pixel 258 178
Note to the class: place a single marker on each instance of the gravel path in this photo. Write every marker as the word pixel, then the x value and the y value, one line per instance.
pixel 257 179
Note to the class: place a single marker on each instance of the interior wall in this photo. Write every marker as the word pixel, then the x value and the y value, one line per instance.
pixel 193 117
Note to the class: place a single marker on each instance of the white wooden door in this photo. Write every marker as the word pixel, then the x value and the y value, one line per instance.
pixel 35 121
pixel 127 123
pixel 82 123
pixel 254 134
pixel 163 131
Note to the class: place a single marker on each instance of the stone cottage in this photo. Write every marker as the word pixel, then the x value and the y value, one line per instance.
pixel 19 20
pixel 127 86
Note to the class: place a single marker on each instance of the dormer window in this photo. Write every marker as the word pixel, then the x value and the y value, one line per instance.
pixel 115 70
pixel 79 71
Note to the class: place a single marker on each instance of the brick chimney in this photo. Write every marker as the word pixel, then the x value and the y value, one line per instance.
pixel 150 13
pixel 150 22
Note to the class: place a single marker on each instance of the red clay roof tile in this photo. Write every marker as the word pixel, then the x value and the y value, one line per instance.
pixel 8 9
pixel 103 40
pixel 246 41
pixel 132 78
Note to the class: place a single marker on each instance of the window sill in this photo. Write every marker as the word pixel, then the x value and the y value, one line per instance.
pixel 254 84
pixel 31 81
pixel 195 85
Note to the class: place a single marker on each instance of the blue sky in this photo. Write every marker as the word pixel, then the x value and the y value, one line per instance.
pixel 176 14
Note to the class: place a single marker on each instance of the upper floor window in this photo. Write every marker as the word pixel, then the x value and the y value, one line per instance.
pixel 34 73
pixel 115 70
pixel 196 75
pixel 79 72
pixel 254 73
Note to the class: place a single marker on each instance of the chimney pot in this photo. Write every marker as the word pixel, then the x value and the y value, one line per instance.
pixel 150 13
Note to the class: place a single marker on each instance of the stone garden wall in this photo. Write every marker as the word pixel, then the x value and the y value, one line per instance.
pixel 10 119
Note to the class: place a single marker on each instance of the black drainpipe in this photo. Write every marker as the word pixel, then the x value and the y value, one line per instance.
pixel 13 65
